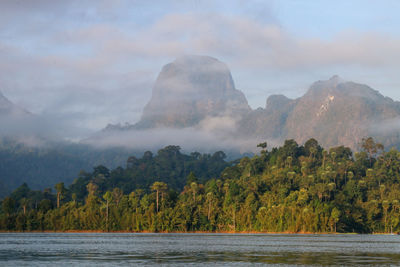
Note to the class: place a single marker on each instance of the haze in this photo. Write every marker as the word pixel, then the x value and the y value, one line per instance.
pixel 84 64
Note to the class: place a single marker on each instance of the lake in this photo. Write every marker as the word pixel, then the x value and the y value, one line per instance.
pixel 110 249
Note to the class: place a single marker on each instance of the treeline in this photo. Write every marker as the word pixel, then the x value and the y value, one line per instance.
pixel 293 188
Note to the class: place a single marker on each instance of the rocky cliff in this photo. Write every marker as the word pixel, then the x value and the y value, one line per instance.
pixel 190 89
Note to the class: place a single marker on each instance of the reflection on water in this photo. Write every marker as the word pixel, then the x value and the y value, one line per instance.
pixel 28 249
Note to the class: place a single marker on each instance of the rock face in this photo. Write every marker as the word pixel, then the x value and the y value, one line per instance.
pixel 334 112
pixel 190 89
pixel 338 112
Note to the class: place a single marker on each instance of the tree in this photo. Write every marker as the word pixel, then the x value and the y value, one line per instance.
pixel 314 191
pixel 117 195
pixel 335 214
pixel 194 186
pixel 101 170
pixel 385 206
pixel 74 197
pixel 8 205
pixel 331 188
pixel 92 188
pixel 108 198
pixel 24 203
pixel 158 187
pixel 262 145
pixel 191 178
pixel 372 148
pixel 60 191
pixel 311 148
pixel 210 199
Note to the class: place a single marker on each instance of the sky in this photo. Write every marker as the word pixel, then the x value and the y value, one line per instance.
pixel 84 64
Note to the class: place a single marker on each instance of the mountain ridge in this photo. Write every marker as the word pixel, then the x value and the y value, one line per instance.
pixel 334 111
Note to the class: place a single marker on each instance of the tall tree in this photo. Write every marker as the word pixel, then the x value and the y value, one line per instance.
pixel 60 191
pixel 158 187
pixel 108 198
pixel 117 195
pixel 24 203
pixel 372 148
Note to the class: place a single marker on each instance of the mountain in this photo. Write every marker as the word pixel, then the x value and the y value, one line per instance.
pixel 337 112
pixel 195 89
pixel 268 123
pixel 334 112
pixel 190 89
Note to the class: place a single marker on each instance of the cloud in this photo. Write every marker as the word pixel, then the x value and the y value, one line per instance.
pixel 210 135
pixel 386 127
pixel 190 139
pixel 248 42
pixel 92 63
pixel 40 130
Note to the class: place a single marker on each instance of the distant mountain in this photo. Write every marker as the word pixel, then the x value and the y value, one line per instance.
pixel 334 112
pixel 268 123
pixel 189 90
pixel 337 112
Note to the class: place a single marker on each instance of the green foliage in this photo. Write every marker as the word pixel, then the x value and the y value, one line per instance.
pixel 292 188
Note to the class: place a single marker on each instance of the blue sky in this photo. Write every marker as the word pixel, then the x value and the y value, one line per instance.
pixel 90 63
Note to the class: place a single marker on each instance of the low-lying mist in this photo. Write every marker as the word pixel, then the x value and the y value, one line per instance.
pixel 210 135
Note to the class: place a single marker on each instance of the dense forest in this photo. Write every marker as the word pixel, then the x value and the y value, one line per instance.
pixel 44 165
pixel 293 188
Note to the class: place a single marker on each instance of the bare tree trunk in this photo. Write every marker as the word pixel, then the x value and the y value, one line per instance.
pixel 107 218
pixel 157 200
pixel 209 210
pixel 234 220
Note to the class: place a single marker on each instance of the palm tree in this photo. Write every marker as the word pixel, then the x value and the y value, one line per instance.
pixel 331 187
pixel 91 188
pixel 194 188
pixel 385 206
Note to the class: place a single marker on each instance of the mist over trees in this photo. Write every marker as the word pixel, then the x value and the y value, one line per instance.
pixel 292 188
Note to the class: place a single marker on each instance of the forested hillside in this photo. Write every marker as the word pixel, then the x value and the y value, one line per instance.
pixel 42 167
pixel 293 188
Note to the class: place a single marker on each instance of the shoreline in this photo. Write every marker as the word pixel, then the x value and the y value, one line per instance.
pixel 194 232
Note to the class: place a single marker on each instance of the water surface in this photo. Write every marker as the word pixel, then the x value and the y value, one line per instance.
pixel 106 249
